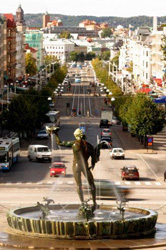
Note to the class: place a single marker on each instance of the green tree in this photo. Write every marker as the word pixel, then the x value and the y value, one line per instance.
pixel 74 56
pixel 143 116
pixel 105 56
pixel 107 32
pixel 65 34
pixel 30 63
pixel 27 112
pixel 48 59
pixel 90 55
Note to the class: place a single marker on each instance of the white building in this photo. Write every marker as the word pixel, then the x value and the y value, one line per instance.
pixel 60 48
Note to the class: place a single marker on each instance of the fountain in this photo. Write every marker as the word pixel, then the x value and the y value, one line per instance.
pixel 85 221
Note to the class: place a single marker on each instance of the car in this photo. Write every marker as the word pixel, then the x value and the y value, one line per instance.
pixel 107 140
pixel 104 123
pixel 77 80
pixel 130 172
pixel 107 188
pixel 57 169
pixel 51 105
pixel 106 132
pixel 42 134
pixel 115 121
pixel 116 153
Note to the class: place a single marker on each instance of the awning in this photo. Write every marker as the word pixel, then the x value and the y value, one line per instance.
pixel 161 99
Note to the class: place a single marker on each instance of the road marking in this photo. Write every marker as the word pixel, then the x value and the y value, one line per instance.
pixel 59 182
pixel 117 183
pixel 50 182
pixel 137 183
pixel 70 182
pixel 147 183
pixel 39 183
pixel 29 183
pixel 127 182
pixel 18 183
pixel 8 183
pixel 158 183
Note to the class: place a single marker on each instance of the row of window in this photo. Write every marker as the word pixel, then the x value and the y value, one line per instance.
pixel 54 47
pixel 56 52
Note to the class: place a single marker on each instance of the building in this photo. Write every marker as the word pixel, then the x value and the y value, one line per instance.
pixel 11 48
pixel 20 21
pixel 79 31
pixel 20 43
pixel 34 38
pixel 3 49
pixel 46 19
pixel 60 48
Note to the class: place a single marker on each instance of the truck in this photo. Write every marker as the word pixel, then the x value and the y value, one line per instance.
pixel 106 119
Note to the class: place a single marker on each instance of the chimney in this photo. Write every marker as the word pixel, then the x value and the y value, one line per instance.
pixel 155 23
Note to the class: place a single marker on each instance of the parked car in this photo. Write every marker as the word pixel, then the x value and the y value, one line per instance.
pixel 57 169
pixel 130 172
pixel 107 140
pixel 107 188
pixel 117 153
pixel 106 132
pixel 42 134
pixel 115 121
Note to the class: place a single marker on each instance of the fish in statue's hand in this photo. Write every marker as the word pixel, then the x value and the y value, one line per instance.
pixel 52 129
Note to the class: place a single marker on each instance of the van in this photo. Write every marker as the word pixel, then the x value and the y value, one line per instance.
pixel 39 153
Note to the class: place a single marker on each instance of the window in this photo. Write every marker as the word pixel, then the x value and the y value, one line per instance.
pixel 146 64
pixel 146 75
pixel 146 53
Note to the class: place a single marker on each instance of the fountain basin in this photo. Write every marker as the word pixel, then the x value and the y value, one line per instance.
pixel 64 222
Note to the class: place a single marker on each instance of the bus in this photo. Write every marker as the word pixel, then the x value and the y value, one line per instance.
pixel 9 152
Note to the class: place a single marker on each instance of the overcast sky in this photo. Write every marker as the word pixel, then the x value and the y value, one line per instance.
pixel 121 8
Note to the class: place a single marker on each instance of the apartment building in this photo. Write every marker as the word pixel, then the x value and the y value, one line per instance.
pixel 60 48
pixel 11 48
pixel 3 52
pixel 34 38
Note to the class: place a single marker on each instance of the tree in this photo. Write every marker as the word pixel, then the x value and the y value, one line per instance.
pixel 27 112
pixel 107 32
pixel 74 56
pixel 90 55
pixel 30 63
pixel 143 116
pixel 65 34
pixel 48 59
pixel 105 55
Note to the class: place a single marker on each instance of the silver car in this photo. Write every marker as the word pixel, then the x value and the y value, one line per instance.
pixel 42 134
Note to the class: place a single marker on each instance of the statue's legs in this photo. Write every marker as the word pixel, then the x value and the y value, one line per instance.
pixel 77 176
pixel 90 180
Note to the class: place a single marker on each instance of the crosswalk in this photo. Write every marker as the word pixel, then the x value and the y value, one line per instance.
pixel 71 183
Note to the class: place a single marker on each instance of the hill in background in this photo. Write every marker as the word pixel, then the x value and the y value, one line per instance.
pixel 35 20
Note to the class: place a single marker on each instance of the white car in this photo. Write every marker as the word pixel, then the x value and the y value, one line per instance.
pixel 116 153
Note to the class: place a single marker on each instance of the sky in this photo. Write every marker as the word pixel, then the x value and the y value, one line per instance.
pixel 120 8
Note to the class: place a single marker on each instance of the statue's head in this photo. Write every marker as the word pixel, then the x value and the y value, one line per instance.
pixel 78 134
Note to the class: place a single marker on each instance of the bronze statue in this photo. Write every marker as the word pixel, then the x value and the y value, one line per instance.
pixel 82 150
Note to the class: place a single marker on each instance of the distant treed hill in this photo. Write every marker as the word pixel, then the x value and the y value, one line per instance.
pixel 35 20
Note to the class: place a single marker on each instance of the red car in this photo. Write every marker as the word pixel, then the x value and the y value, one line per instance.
pixel 57 169
pixel 130 172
